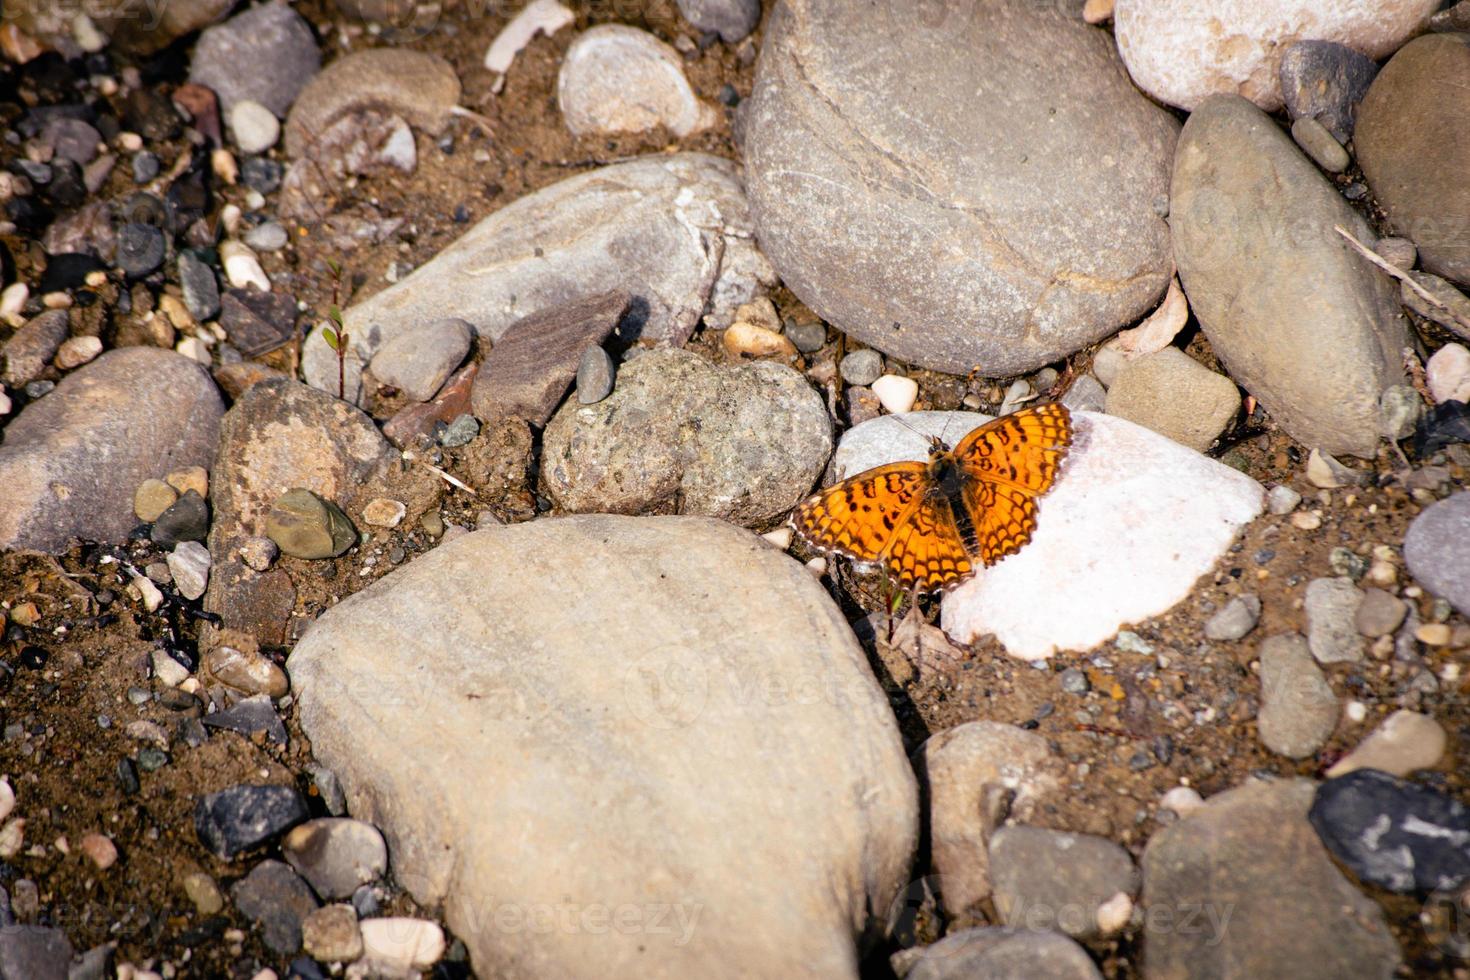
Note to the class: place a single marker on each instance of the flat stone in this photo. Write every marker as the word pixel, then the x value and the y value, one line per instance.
pixel 1332 607
pixel 400 946
pixel 533 364
pixel 1253 233
pixel 76 351
pixel 1182 52
pixel 939 229
pixel 200 287
pixel 1434 549
pixel 417 86
pixel 1413 140
pixel 304 525
pixel 1235 620
pixel 1176 396
pixel 1406 741
pixel 1325 81
pixel 257 322
pixel 72 460
pixel 238 818
pixel 32 346
pixel 972 954
pixel 500 799
pixel 1047 879
pixel 336 856
pixel 418 362
pixel 619 79
pixel 266 54
pixel 673 231
pixel 741 442
pixel 1262 896
pixel 282 435
pixel 278 901
pixel 958 767
pixel 1088 570
pixel 250 716
pixel 1394 834
pixel 1298 709
pixel 733 20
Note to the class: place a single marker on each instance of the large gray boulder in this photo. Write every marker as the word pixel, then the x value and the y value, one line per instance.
pixel 619 747
pixel 959 185
pixel 1299 319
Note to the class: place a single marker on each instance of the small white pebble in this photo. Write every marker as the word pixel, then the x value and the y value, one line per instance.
pixel 4 401
pixel 194 348
pixel 222 162
pixel 170 672
pixel 7 799
pixel 152 598
pixel 897 395
pixel 817 566
pixel 254 127
pixel 1114 914
pixel 76 351
pixel 1355 712
pixel 242 268
pixel 781 538
pixel 230 216
pixel 13 299
pixel 1183 800
pixel 129 142
pixel 1306 520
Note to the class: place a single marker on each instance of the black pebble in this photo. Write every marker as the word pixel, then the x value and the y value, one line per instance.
pixel 140 249
pixel 1393 833
pixel 187 519
pixel 241 817
pixel 67 271
pixel 127 776
pixel 34 657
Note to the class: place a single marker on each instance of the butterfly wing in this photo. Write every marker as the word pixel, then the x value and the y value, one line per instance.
pixel 888 515
pixel 1006 465
pixel 857 517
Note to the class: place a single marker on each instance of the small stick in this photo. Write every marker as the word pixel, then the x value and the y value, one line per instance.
pixel 1416 376
pixel 451 480
pixel 1399 274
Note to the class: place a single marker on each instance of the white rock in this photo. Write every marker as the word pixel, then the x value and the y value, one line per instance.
pixel 780 538
pixel 13 299
pixel 255 127
pixel 1113 915
pixel 152 598
pixel 896 394
pixel 1182 800
pixel 1180 51
pixel 1132 522
pixel 194 349
pixel 600 739
pixel 618 79
pixel 189 565
pixel 399 944
pixel 168 671
pixel 1448 373
pixel 539 16
pixel 7 799
pixel 242 268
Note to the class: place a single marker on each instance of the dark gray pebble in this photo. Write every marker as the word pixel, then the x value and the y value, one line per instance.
pixel 240 817
pixel 140 249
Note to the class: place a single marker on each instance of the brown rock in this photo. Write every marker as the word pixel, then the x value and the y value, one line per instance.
pixel 420 87
pixel 33 345
pixel 257 322
pixel 533 364
pixel 452 401
pixel 240 377
pixel 71 460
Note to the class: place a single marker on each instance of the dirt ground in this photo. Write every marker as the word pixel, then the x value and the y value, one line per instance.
pixel 1184 712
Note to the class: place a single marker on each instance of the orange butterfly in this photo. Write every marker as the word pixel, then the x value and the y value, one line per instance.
pixel 934 523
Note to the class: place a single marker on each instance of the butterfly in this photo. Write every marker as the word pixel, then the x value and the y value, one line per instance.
pixel 933 524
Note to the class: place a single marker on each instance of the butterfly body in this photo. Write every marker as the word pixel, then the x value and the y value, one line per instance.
pixel 933 524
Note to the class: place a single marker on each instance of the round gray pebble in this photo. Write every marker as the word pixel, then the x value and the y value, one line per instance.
pixel 269 237
pixel 460 432
pixel 807 337
pixel 595 376
pixel 861 367
pixel 140 249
